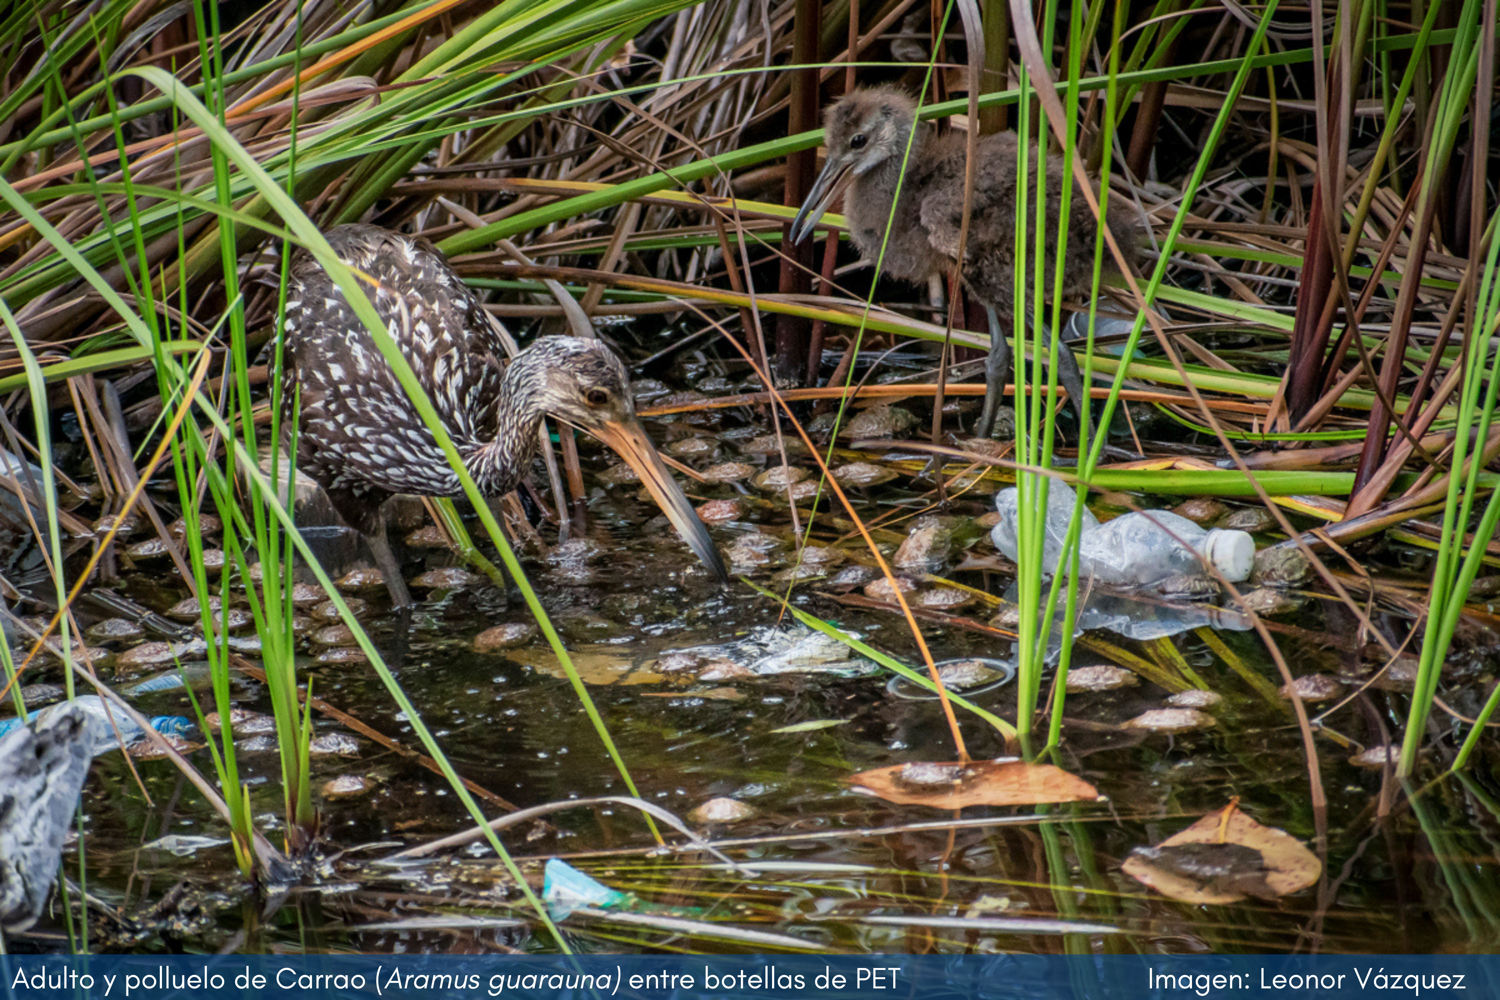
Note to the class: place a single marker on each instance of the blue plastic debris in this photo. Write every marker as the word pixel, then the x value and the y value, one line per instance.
pixel 565 889
pixel 169 681
pixel 105 740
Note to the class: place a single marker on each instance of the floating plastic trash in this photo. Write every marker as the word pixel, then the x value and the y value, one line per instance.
pixel 1140 550
pixel 104 733
pixel 565 889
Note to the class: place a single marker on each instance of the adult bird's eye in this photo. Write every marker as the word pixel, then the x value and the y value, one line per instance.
pixel 596 397
pixel 859 140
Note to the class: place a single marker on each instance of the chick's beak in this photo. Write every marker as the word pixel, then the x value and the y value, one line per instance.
pixel 825 189
pixel 631 443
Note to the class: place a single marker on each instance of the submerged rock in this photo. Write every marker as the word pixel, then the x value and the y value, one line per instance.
pixel 509 635
pixel 1377 757
pixel 1313 688
pixel 1251 519
pixel 879 421
pixel 942 598
pixel 1196 698
pixel 189 608
pixel 1270 603
pixel 719 671
pixel 151 749
pixel 571 562
pixel 973 672
pixel 989 447
pixel 329 612
pixel 1172 720
pixel 822 556
pixel 1399 675
pixel 114 630
pixel 852 577
pixel 151 548
pixel 154 654
pixel 647 390
pixel 341 654
pixel 1279 567
pixel 728 472
pixel 334 635
pixel 447 578
pixel 305 595
pixel 1202 511
pixel 862 475
pixel 721 811
pixel 799 572
pixel 754 551
pixel 429 536
pixel 779 477
pixel 207 524
pixel 620 474
pixel 1101 677
pixel 242 722
pixel 881 589
pixel 722 511
pixel 37 695
pixel 232 619
pixel 692 447
pixel 347 786
pixel 334 744
pixel 125 525
pixel 768 651
pixel 361 578
pixel 805 490
pixel 933 541
pixel 769 444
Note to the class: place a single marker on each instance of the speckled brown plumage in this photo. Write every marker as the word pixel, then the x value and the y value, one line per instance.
pixel 359 435
pixel 868 132
pixel 362 440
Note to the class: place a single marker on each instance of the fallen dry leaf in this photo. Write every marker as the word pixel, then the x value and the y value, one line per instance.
pixel 1286 866
pixel 978 783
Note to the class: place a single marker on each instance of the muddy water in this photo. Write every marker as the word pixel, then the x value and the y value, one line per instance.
pixel 836 869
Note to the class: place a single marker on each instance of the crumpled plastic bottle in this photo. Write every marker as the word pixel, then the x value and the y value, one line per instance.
pixel 1141 615
pixel 101 734
pixel 1140 550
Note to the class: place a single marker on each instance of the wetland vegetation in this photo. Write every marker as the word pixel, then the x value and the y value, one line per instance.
pixel 885 733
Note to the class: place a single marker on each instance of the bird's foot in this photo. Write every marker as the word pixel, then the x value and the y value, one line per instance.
pixel 1002 425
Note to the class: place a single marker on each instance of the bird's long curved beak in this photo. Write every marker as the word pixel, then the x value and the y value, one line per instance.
pixel 632 444
pixel 824 190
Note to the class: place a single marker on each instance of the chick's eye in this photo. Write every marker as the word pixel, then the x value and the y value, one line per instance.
pixel 859 140
pixel 596 397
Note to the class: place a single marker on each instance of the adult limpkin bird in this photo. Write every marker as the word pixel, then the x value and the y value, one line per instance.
pixel 867 134
pixel 362 440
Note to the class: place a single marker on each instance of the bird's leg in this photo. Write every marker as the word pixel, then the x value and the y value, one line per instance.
pixel 1071 379
pixel 996 373
pixel 385 560
pixel 364 511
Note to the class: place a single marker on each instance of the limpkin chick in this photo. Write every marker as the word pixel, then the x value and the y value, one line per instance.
pixel 361 438
pixel 868 132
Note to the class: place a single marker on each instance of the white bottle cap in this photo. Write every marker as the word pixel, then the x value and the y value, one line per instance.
pixel 1230 552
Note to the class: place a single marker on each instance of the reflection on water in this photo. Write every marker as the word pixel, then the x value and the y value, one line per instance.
pixel 832 868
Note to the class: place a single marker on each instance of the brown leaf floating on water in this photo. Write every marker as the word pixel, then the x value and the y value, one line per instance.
pixel 1223 858
pixel 978 783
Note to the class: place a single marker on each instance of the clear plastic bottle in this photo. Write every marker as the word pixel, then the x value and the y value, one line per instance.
pixel 1142 549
